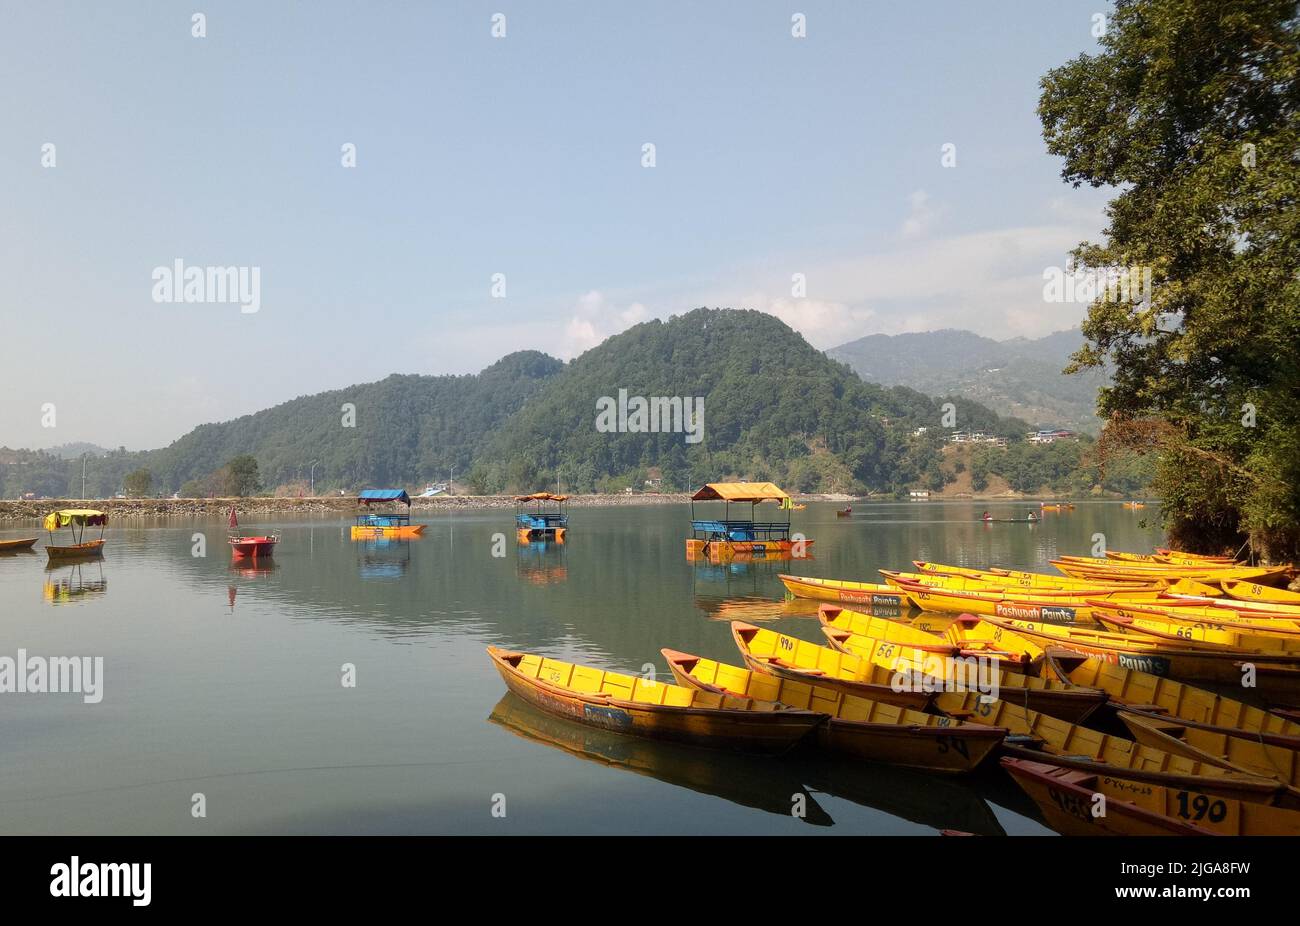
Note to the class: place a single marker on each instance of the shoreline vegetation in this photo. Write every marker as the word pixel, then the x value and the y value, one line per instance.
pixel 33 510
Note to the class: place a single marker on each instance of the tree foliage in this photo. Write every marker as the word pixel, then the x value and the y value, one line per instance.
pixel 1192 112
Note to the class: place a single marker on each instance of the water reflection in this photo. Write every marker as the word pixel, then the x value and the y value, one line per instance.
pixel 751 781
pixel 541 562
pixel 75 582
pixel 384 558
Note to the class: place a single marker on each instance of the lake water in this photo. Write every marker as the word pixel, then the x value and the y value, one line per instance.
pixel 226 681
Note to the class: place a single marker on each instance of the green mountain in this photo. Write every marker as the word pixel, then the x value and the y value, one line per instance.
pixel 774 408
pixel 1020 377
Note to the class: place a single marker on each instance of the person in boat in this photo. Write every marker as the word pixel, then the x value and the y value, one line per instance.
pixel 986 517
pixel 1032 517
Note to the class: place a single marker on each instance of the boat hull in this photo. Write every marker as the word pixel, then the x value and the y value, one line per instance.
pixel 865 593
pixel 768 732
pixel 252 547
pixel 24 543
pixel 87 550
pixel 375 533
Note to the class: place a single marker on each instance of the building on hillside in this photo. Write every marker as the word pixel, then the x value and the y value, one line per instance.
pixel 1051 435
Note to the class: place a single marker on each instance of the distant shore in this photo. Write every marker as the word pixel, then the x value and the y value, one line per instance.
pixel 31 511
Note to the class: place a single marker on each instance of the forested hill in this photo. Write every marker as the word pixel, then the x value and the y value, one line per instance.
pixel 774 408
pixel 1021 377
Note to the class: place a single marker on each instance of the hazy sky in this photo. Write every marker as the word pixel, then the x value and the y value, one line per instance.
pixel 519 156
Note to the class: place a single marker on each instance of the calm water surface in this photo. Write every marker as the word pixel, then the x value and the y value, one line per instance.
pixel 226 681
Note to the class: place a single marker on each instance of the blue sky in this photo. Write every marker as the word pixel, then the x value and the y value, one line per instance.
pixel 519 155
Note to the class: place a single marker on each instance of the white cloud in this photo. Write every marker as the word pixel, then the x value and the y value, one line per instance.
pixel 593 320
pixel 921 217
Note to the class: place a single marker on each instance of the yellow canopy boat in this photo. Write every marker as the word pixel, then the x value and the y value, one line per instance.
pixel 76 520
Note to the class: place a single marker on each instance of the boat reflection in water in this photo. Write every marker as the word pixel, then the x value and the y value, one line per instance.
pixel 73 583
pixel 248 569
pixel 751 781
pixel 384 558
pixel 542 563
pixel 741 589
pixel 753 609
pixel 764 783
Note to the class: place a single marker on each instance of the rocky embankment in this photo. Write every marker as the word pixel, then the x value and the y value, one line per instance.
pixel 119 509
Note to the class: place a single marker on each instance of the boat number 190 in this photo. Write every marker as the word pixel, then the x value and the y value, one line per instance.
pixel 1200 807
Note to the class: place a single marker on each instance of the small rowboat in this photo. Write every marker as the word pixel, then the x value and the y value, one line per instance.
pixel 1250 591
pixel 871 730
pixel 76 520
pixel 1022 605
pixel 995 584
pixel 11 546
pixel 934 672
pixel 864 593
pixel 1231 752
pixel 640 707
pixel 1277 676
pixel 1190 624
pixel 795 660
pixel 844 512
pixel 1070 744
pixel 1067 797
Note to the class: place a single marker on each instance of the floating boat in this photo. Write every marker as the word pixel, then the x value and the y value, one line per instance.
pixel 539 524
pixel 1231 752
pixel 867 593
pixel 886 630
pixel 844 512
pixel 243 546
pixel 1077 746
pixel 1030 518
pixel 864 729
pixel 1251 591
pixel 1067 797
pixel 76 520
pixel 633 705
pixel 1082 569
pixel 800 661
pixel 12 546
pixel 1134 506
pixel 375 525
pixel 1021 605
pixel 930 671
pixel 1219 626
pixel 1276 676
pixel 956 577
pixel 727 536
pixel 1169 631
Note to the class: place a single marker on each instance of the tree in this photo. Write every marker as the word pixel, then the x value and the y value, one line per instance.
pixel 242 477
pixel 1192 112
pixel 138 482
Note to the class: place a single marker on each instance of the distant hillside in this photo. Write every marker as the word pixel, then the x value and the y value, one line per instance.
pixel 1019 377
pixel 774 408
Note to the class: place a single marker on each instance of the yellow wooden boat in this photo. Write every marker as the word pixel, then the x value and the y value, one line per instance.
pixel 1067 799
pixel 1249 610
pixel 1276 676
pixel 638 706
pixel 797 660
pixel 856 726
pixel 1215 747
pixel 1021 605
pixel 864 593
pixel 900 580
pixel 1253 591
pixel 1169 700
pixel 901 671
pixel 1165 630
pixel 1211 625
pixel 1007 578
pixel 1145 573
pixel 1110 754
pixel 835 618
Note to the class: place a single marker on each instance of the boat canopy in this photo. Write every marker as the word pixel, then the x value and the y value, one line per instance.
pixel 541 497
pixel 82 516
pixel 368 496
pixel 753 492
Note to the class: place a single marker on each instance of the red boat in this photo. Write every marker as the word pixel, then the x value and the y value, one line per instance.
pixel 242 547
